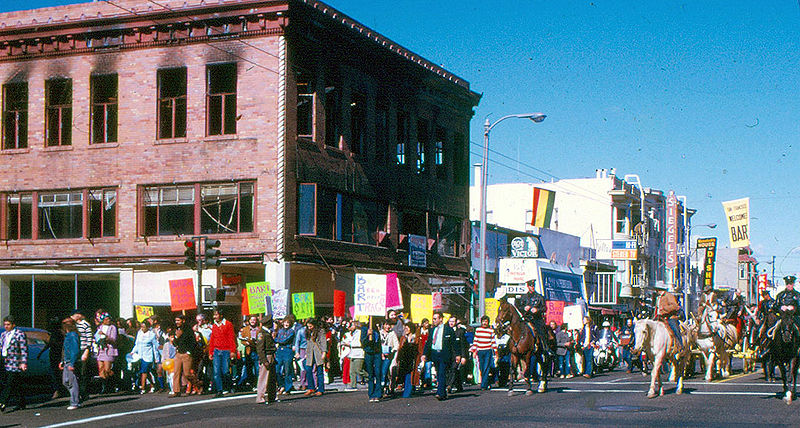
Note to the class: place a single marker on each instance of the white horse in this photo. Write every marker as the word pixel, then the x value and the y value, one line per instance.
pixel 654 339
pixel 725 339
pixel 709 342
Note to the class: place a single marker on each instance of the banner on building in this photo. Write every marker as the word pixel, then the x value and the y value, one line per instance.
pixel 370 294
pixel 417 251
pixel 181 294
pixel 303 305
pixel 561 286
pixel 737 213
pixel 671 235
pixel 496 244
pixel 143 312
pixel 421 307
pixel 543 203
pixel 516 271
pixel 256 294
pixel 710 245
pixel 555 312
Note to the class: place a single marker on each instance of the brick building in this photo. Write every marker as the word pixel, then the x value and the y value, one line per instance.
pixel 310 145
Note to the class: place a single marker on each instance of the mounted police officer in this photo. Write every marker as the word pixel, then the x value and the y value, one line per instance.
pixel 766 306
pixel 532 307
pixel 788 300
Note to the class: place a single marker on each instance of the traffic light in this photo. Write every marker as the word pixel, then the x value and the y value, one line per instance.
pixel 211 256
pixel 190 253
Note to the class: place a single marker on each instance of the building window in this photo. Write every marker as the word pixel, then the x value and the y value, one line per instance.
pixel 438 153
pixel 19 216
pixel 358 122
pixel 742 270
pixel 221 99
pixel 104 108
pixel 102 213
pixel 226 208
pixel 305 108
pixel 331 116
pixel 169 210
pixel 60 215
pixel 58 94
pixel 422 146
pixel 402 137
pixel 383 150
pixel 15 115
pixel 448 235
pixel 606 290
pixel 307 209
pixel 621 220
pixel 460 160
pixel 172 103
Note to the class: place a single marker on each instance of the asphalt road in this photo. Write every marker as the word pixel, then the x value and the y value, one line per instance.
pixel 614 399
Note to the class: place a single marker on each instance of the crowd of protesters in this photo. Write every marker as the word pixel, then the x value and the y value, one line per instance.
pixel 388 356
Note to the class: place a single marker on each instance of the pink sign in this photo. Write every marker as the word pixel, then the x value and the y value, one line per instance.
pixel 393 298
pixel 437 301
pixel 181 294
pixel 555 312
pixel 671 236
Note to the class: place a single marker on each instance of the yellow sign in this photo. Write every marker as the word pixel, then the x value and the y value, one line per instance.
pixel 492 306
pixel 143 313
pixel 421 307
pixel 256 293
pixel 738 215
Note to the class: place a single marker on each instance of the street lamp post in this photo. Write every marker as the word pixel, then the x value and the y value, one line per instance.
pixel 487 128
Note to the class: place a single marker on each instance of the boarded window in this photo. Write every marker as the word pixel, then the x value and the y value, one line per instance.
pixel 221 99
pixel 460 161
pixel 172 103
pixel 19 216
pixel 307 209
pixel 383 150
pixel 60 215
pixel 226 208
pixel 15 115
pixel 102 213
pixel 169 210
pixel 58 118
pixel 104 108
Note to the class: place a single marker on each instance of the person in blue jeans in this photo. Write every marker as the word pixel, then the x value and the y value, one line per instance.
pixel 587 338
pixel 371 344
pixel 300 345
pixel 317 347
pixel 284 340
pixel 563 345
pixel 390 343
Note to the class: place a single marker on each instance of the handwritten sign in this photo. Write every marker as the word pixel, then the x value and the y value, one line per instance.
pixel 303 305
pixel 421 307
pixel 280 298
pixel 370 294
pixel 256 293
pixel 394 300
pixel 181 294
pixel 491 308
pixel 573 316
pixel 143 313
pixel 437 301
pixel 555 312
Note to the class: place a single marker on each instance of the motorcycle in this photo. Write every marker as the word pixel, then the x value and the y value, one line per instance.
pixel 605 355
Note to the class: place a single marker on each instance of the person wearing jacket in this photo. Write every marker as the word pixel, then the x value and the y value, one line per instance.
pixel 390 343
pixel 300 347
pixel 70 355
pixel 185 346
pixel 146 348
pixel 284 340
pixel 371 344
pixel 15 360
pixel 316 348
pixel 563 343
pixel 221 349
pixel 439 348
pixel 455 376
pixel 265 348
pixel 587 338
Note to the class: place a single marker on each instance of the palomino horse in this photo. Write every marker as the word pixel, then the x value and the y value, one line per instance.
pixel 523 347
pixel 709 342
pixel 783 349
pixel 728 336
pixel 654 339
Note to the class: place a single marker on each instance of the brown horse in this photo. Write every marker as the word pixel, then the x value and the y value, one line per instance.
pixel 522 346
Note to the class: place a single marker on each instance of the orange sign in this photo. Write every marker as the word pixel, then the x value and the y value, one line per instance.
pixel 181 294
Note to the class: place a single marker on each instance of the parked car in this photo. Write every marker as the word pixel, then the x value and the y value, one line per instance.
pixel 38 377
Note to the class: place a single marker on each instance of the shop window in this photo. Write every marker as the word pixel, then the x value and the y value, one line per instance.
pixel 102 213
pixel 169 210
pixel 422 146
pixel 226 208
pixel 221 99
pixel 305 105
pixel 58 126
pixel 60 215
pixel 104 108
pixel 19 216
pixel 331 115
pixel 358 122
pixel 402 137
pixel 307 209
pixel 172 103
pixel 15 115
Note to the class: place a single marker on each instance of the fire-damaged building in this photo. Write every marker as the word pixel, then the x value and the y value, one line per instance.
pixel 311 146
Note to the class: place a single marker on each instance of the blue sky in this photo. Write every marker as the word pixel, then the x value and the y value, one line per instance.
pixel 699 97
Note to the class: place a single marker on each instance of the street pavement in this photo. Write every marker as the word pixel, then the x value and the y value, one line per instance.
pixel 611 399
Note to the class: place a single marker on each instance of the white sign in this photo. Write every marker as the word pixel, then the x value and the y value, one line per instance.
pixel 370 294
pixel 524 247
pixel 611 249
pixel 280 297
pixel 451 289
pixel 514 289
pixel 573 317
pixel 516 271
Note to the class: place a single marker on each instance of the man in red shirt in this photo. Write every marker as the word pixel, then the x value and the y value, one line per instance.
pixel 221 349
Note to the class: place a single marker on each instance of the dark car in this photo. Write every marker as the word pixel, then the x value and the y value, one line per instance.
pixel 38 377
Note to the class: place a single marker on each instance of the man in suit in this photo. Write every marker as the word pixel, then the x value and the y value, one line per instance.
pixel 267 377
pixel 439 349
pixel 15 361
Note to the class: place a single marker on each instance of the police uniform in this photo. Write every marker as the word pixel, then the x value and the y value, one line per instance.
pixel 788 298
pixel 535 301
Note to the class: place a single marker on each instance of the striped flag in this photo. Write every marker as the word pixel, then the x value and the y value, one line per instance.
pixel 543 202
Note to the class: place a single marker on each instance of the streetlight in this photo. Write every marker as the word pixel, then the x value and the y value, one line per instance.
pixel 686 239
pixel 487 128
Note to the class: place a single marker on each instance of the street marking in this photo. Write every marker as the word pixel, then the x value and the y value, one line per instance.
pixel 734 377
pixel 629 391
pixel 648 383
pixel 618 380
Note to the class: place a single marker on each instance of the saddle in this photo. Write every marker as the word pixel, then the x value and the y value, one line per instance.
pixel 675 340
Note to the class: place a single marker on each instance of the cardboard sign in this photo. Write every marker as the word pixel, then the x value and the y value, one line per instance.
pixel 555 312
pixel 394 299
pixel 421 307
pixel 436 301
pixel 339 297
pixel 303 305
pixel 256 293
pixel 492 306
pixel 143 312
pixel 573 316
pixel 181 294
pixel 370 294
pixel 280 300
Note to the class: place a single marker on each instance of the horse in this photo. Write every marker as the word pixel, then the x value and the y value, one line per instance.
pixel 654 339
pixel 784 347
pixel 524 347
pixel 729 336
pixel 710 342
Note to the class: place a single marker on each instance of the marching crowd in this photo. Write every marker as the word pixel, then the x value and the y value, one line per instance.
pixel 391 356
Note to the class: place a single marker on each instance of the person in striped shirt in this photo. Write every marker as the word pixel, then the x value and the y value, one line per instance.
pixel 87 346
pixel 484 349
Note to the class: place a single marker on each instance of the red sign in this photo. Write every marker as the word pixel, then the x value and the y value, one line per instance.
pixel 338 303
pixel 555 312
pixel 762 282
pixel 672 231
pixel 436 301
pixel 181 294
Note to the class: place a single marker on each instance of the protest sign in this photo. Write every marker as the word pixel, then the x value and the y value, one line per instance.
pixel 256 292
pixel 339 297
pixel 143 313
pixel 573 316
pixel 436 299
pixel 181 294
pixel 303 305
pixel 421 307
pixel 492 306
pixel 370 294
pixel 394 300
pixel 555 312
pixel 280 298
